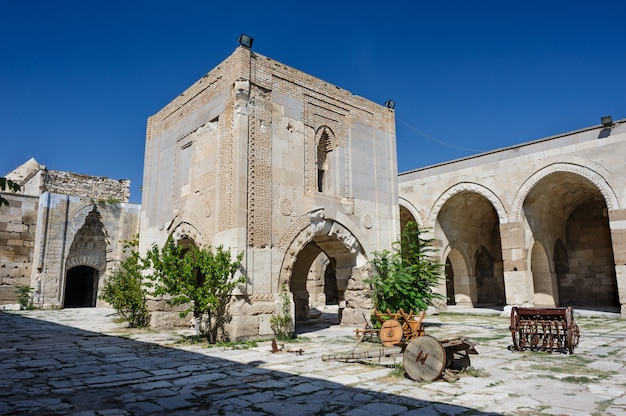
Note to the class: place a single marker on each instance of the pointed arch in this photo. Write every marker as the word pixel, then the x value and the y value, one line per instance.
pixel 465 187
pixel 594 177
pixel 325 143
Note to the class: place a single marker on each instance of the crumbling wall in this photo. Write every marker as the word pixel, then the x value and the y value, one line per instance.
pixel 98 188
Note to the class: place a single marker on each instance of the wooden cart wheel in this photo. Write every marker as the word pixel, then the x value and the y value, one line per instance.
pixel 424 359
pixel 391 333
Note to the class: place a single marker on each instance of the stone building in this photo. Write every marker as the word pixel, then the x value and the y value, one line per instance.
pixel 62 234
pixel 301 176
pixel 298 174
pixel 542 223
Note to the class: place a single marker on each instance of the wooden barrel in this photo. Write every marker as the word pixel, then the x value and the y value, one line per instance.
pixel 391 333
pixel 424 359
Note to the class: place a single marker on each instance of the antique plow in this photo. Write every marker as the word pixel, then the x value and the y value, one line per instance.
pixel 544 329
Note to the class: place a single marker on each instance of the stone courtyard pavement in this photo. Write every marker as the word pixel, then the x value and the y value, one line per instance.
pixel 81 362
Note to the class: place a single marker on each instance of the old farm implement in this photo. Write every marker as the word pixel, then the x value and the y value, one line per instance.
pixel 544 329
pixel 424 358
pixel 395 327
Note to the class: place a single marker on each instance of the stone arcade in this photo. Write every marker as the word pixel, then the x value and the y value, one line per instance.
pixel 542 223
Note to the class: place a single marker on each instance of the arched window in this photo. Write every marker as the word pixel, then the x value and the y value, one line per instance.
pixel 323 148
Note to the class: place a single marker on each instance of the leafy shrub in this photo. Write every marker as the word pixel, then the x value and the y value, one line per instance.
pixel 199 279
pixel 281 322
pixel 24 296
pixel 125 292
pixel 406 278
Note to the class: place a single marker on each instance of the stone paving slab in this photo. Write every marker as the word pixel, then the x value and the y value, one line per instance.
pixel 82 362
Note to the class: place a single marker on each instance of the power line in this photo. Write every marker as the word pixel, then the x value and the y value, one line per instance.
pixel 437 140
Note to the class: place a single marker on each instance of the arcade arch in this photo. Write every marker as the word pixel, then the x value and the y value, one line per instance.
pixel 467 222
pixel 569 212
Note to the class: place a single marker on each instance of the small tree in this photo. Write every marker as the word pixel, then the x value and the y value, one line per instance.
pixel 407 277
pixel 200 279
pixel 124 289
pixel 281 321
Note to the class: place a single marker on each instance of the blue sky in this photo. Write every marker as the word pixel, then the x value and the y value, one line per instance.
pixel 78 79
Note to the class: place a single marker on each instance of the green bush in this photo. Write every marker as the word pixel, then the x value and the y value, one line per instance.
pixel 281 322
pixel 406 278
pixel 24 296
pixel 199 279
pixel 125 292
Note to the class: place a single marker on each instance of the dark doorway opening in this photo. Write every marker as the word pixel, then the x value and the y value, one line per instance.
pixel 450 283
pixel 81 287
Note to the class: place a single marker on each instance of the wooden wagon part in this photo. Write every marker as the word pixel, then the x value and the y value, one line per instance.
pixel 544 329
pixel 412 324
pixel 391 333
pixel 364 355
pixel 366 331
pixel 428 359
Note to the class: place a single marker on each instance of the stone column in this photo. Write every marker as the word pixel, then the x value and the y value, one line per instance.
pixel 617 224
pixel 357 295
pixel 518 279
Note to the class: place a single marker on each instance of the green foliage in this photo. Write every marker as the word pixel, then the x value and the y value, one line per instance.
pixel 111 200
pixel 281 322
pixel 23 296
pixel 199 279
pixel 124 290
pixel 407 277
pixel 7 184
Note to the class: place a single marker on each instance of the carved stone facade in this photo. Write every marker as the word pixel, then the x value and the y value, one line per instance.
pixel 62 235
pixel 541 223
pixel 298 174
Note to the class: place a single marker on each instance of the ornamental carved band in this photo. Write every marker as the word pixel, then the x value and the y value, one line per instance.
pixel 468 187
pixel 316 225
pixel 98 263
pixel 592 176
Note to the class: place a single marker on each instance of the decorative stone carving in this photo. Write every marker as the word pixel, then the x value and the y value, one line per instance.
pixel 259 173
pixel 286 207
pixel 592 176
pixel 367 221
pixel 242 89
pixel 471 187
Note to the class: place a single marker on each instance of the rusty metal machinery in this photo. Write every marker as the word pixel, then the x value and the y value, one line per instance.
pixel 544 329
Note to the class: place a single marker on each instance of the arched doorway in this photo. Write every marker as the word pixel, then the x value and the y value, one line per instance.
pixel 85 262
pixel 328 253
pixel 546 294
pixel 469 224
pixel 81 287
pixel 460 287
pixel 451 299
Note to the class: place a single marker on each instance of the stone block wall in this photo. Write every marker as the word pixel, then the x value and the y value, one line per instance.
pixel 17 235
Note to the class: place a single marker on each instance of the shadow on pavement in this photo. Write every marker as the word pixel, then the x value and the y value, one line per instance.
pixel 53 369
